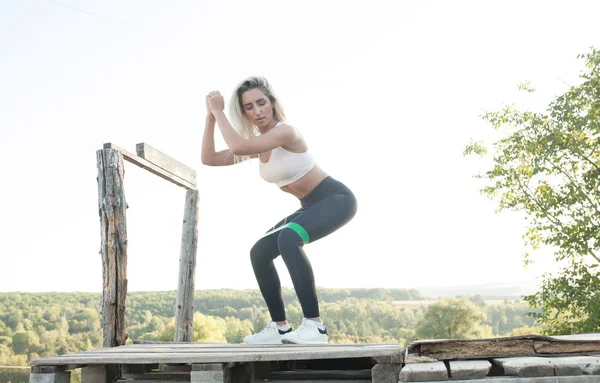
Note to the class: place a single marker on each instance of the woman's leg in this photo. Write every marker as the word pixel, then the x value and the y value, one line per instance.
pixel 312 224
pixel 262 254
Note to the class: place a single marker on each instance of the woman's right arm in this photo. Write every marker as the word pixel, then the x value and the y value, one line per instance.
pixel 208 155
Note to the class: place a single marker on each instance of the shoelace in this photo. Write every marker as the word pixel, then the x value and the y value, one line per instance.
pixel 305 325
pixel 270 327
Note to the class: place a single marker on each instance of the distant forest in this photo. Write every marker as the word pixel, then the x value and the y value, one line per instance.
pixel 36 325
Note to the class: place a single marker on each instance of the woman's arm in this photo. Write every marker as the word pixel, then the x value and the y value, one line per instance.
pixel 208 155
pixel 279 136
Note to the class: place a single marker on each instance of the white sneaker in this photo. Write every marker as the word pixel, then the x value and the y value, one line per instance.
pixel 269 335
pixel 307 333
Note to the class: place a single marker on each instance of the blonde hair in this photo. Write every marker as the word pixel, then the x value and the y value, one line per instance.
pixel 236 110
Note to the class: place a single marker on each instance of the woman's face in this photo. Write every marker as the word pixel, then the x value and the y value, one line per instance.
pixel 257 107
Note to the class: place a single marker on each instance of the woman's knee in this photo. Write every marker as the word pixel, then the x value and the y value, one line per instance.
pixel 262 252
pixel 288 241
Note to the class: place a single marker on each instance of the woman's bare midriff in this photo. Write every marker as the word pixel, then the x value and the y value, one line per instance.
pixel 306 184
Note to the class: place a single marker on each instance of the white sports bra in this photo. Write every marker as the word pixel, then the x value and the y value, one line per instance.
pixel 285 167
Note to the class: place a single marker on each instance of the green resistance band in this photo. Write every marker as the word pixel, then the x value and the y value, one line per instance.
pixel 294 226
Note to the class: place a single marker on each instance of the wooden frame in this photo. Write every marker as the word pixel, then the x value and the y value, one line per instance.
pixel 112 207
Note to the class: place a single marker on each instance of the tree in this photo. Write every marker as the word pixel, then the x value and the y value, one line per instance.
pixel 456 318
pixel 23 342
pixel 547 166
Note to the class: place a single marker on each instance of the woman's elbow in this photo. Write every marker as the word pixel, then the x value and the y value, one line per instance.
pixel 206 161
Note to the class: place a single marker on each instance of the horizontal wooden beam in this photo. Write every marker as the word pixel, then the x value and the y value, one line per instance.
pixel 152 168
pixel 165 162
pixel 221 353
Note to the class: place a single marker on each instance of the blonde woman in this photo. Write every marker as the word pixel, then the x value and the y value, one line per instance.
pixel 260 131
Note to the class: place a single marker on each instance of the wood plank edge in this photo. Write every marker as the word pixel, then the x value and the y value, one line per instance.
pixel 155 169
pixel 142 148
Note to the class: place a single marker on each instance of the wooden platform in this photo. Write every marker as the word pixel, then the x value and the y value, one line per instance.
pixel 217 362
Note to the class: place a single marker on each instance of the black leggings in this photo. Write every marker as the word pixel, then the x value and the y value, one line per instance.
pixel 324 210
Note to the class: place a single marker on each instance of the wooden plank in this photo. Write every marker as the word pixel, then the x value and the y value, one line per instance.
pixel 478 350
pixel 322 381
pixel 410 359
pixel 358 351
pixel 184 308
pixel 375 351
pixel 566 347
pixel 212 356
pixel 165 162
pixel 527 367
pixel 112 208
pixel 145 164
pixel 576 365
pixel 424 372
pixel 512 379
pixel 526 345
pixel 164 378
pixel 469 369
pixel 320 374
pixel 389 359
pixel 140 380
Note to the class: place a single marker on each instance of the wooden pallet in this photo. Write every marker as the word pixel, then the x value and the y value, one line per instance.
pixel 215 362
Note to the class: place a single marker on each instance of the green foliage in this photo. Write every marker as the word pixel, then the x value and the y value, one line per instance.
pixel 14 375
pixel 547 166
pixel 456 318
pixel 569 302
pixel 24 342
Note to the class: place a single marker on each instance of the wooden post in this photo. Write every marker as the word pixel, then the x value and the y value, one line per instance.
pixel 184 309
pixel 113 229
pixel 100 373
pixel 49 374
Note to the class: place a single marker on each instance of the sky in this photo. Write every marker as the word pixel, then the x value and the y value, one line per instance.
pixel 386 93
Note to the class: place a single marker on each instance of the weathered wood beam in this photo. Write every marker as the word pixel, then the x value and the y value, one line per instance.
pixel 50 377
pixel 221 373
pixel 165 162
pixel 184 308
pixel 214 355
pixel 386 373
pixel 100 374
pixel 112 208
pixel 152 168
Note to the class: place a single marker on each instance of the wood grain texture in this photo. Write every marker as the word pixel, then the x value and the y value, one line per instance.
pixel 145 164
pixel 188 353
pixel 112 208
pixel 165 162
pixel 184 307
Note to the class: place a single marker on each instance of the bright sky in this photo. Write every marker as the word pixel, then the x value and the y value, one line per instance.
pixel 387 93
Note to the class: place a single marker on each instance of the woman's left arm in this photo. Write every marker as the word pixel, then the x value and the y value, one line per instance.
pixel 240 146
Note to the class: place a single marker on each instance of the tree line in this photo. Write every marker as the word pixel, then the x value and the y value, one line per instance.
pixel 36 325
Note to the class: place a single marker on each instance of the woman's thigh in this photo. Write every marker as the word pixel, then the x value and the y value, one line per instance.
pixel 326 216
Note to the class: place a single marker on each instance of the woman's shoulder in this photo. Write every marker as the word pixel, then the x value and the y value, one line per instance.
pixel 287 125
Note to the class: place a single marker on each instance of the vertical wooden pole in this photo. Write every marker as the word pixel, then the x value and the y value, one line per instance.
pixel 49 374
pixel 106 373
pixel 184 309
pixel 113 229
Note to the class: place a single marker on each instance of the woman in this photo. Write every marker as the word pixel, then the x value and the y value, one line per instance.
pixel 284 159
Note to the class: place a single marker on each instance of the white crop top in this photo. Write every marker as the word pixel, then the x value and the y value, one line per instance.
pixel 285 167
